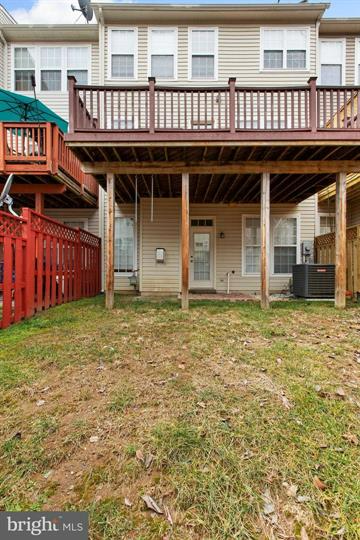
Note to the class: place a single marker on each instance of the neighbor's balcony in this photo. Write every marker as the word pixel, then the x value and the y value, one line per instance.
pixel 39 148
pixel 231 111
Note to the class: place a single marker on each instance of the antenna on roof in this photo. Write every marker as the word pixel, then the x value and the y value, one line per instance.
pixel 85 8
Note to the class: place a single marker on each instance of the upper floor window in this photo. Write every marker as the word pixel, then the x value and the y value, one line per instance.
pixel 203 53
pixel 332 62
pixel 285 48
pixel 162 52
pixel 24 68
pixel 326 223
pixel 123 53
pixel 50 66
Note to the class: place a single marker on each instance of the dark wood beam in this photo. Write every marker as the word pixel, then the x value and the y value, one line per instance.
pixel 215 167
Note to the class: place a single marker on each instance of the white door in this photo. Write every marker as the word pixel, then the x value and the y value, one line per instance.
pixel 201 258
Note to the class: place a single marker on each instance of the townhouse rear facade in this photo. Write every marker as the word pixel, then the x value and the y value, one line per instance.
pixel 261 46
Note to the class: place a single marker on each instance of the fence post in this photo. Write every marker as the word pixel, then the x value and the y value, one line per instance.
pixel 77 265
pixel 55 149
pixel 152 81
pixel 313 104
pixel 232 81
pixel 30 263
pixel 72 103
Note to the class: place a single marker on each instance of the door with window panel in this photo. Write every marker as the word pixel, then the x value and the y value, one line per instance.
pixel 201 254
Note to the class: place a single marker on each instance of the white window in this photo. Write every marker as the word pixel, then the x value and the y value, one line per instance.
pixel 123 53
pixel 326 223
pixel 162 53
pixel 285 48
pixel 78 64
pixel 332 62
pixel 203 53
pixel 24 68
pixel 50 66
pixel 124 244
pixel 252 245
pixel 284 244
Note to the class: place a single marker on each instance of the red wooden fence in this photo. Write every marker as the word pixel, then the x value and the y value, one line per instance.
pixel 44 263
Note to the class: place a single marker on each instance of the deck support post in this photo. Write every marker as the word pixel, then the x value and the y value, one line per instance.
pixel 185 239
pixel 340 242
pixel 265 240
pixel 110 229
pixel 39 203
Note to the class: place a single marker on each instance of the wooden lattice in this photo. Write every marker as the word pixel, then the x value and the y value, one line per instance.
pixel 10 225
pixel 87 238
pixel 51 227
pixel 327 240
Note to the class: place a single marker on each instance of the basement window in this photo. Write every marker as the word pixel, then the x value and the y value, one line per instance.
pixel 201 222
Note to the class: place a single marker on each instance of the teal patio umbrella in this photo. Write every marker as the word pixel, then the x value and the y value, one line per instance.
pixel 18 108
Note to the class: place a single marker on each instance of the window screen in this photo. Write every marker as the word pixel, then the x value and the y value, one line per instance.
pixel 285 244
pixel 162 53
pixel 123 47
pixel 252 245
pixel 124 244
pixel 203 54
pixel 24 64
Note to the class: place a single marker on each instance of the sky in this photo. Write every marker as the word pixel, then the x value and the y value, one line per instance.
pixel 59 11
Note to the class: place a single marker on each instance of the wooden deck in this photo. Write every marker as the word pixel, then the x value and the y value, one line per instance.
pixel 36 153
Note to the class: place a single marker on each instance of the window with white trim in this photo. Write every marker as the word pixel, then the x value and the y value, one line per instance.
pixel 50 66
pixel 284 244
pixel 24 68
pixel 124 244
pixel 252 245
pixel 123 47
pixel 78 64
pixel 203 53
pixel 162 52
pixel 285 48
pixel 332 52
pixel 326 223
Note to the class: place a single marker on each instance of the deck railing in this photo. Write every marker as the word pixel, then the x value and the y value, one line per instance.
pixel 231 108
pixel 39 148
pixel 44 263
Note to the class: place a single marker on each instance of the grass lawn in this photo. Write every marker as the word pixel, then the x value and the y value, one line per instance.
pixel 239 424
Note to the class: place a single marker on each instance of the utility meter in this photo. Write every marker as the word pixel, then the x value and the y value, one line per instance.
pixel 160 255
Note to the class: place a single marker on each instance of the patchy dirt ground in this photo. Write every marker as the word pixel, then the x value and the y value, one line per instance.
pixel 232 423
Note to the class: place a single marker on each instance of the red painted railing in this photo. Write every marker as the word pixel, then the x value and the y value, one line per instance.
pixel 39 148
pixel 44 263
pixel 231 108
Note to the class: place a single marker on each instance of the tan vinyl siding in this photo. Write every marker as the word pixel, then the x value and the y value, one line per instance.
pixel 165 232
pixel 350 61
pixel 2 63
pixel 238 56
pixel 89 215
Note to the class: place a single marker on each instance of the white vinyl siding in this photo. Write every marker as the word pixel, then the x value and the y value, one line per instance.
pixel 162 60
pixel 123 53
pixel 285 48
pixel 203 53
pixel 332 62
pixel 357 61
pixel 49 64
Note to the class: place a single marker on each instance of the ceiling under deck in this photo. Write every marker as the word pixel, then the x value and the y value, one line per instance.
pixel 219 188
pixel 68 199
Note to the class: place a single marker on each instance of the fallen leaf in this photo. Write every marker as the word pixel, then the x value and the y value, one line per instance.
pixel 94 439
pixel 181 366
pixel 127 502
pixel 351 438
pixel 40 402
pixel 148 460
pixel 302 498
pixel 340 392
pixel 286 403
pixel 341 531
pixel 139 455
pixel 151 504
pixel 269 507
pixel 168 515
pixel 292 491
pixel 319 484
pixel 304 534
pixel 201 404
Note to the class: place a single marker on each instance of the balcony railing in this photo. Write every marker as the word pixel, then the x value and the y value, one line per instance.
pixel 231 109
pixel 39 148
